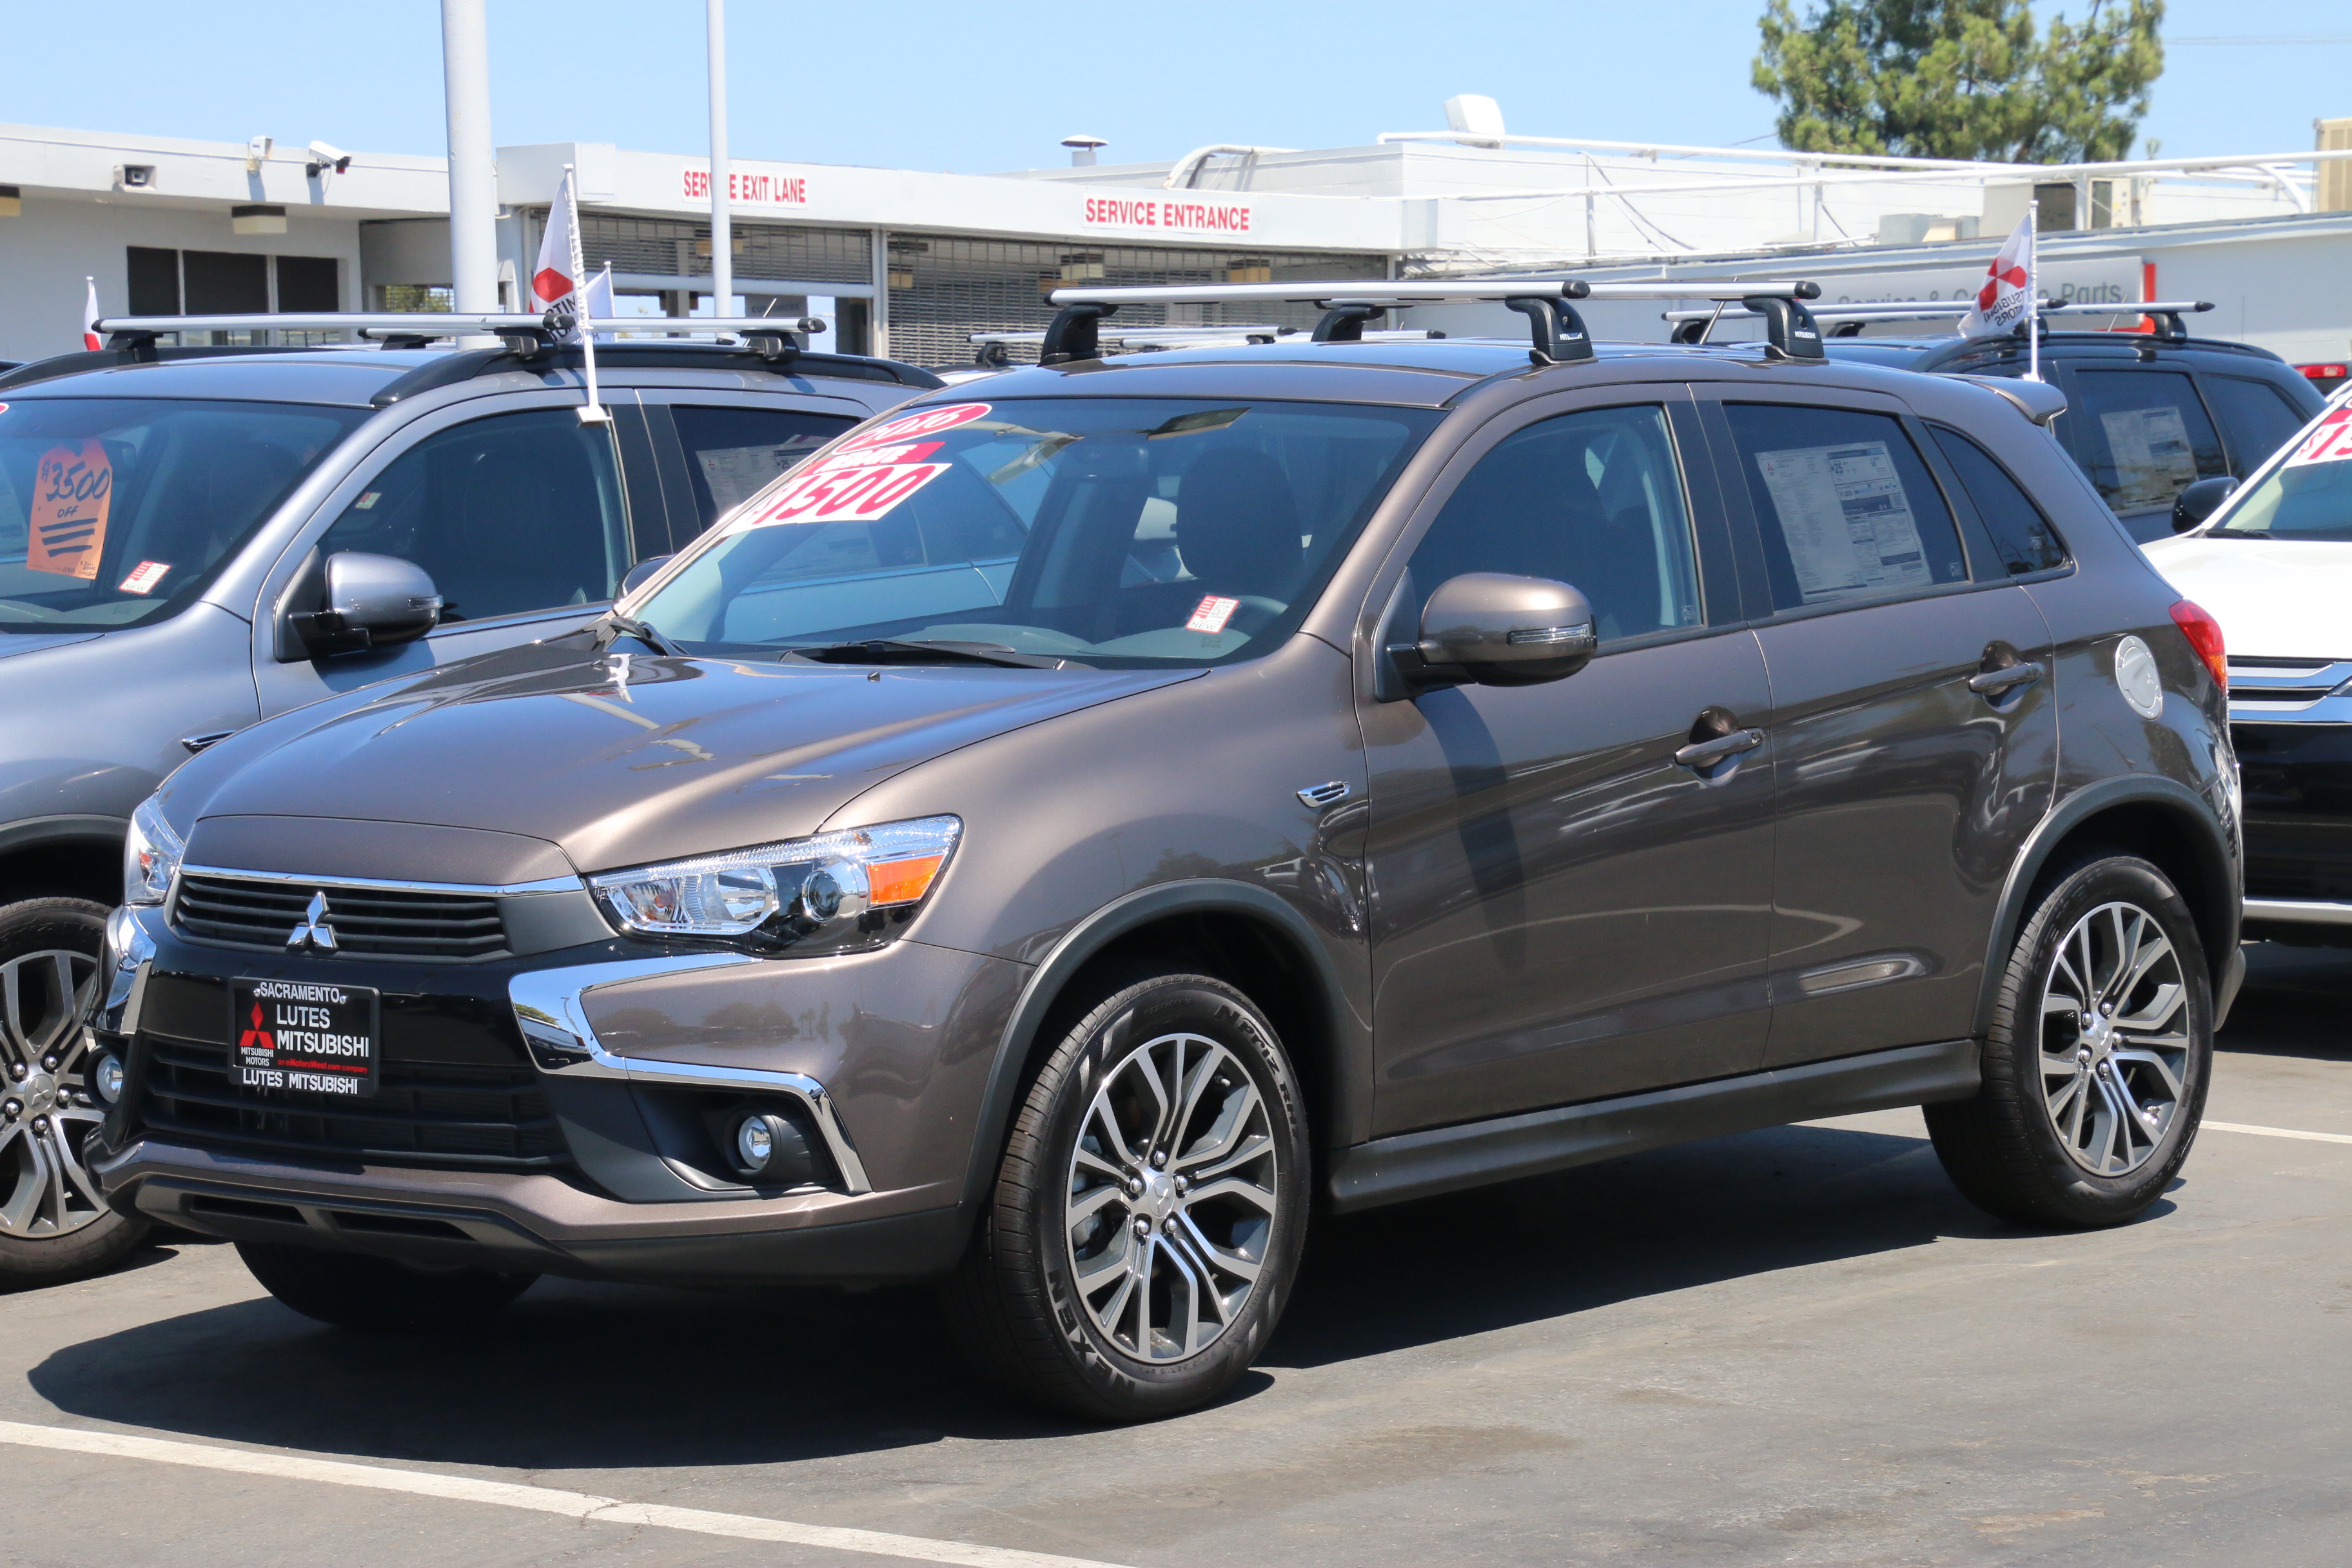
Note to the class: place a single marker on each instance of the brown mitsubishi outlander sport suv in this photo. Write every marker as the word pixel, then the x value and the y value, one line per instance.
pixel 1070 831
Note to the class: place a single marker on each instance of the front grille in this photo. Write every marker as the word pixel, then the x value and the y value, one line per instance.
pixel 368 922
pixel 440 1112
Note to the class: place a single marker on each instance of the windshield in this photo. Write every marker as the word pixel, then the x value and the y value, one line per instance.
pixel 2308 496
pixel 1115 532
pixel 115 512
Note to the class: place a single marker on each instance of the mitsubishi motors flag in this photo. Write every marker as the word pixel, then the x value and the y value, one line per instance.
pixel 2009 293
pixel 89 338
pixel 555 285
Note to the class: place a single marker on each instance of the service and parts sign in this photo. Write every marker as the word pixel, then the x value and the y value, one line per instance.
pixel 1166 214
pixel 867 476
pixel 72 487
pixel 2329 441
pixel 300 1037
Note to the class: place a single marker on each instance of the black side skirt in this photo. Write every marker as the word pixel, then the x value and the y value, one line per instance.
pixel 1448 1159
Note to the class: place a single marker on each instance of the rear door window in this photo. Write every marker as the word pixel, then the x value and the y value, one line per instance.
pixel 1847 509
pixel 2142 435
pixel 732 453
pixel 2020 532
pixel 2256 417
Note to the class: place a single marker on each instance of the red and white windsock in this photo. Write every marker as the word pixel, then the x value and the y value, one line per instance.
pixel 2008 291
pixel 89 338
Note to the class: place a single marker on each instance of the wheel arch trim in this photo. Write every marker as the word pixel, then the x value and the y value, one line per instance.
pixel 2201 834
pixel 1085 941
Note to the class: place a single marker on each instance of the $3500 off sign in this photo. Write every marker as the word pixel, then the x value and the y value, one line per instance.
pixel 71 491
pixel 866 476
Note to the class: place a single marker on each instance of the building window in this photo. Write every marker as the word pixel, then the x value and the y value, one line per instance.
pixel 230 282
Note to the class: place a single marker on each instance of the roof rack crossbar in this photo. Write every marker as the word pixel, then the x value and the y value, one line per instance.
pixel 1344 321
pixel 1072 335
pixel 1558 332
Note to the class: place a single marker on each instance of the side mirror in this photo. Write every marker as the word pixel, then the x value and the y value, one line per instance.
pixel 642 572
pixel 1496 630
pixel 2200 501
pixel 372 601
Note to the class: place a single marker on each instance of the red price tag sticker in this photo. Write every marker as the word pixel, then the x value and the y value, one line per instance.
pixel 913 426
pixel 2329 441
pixel 144 576
pixel 1212 613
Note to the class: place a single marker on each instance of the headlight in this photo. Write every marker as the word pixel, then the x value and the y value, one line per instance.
pixel 835 892
pixel 150 856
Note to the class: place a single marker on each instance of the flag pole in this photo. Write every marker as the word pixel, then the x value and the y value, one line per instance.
pixel 2033 291
pixel 594 413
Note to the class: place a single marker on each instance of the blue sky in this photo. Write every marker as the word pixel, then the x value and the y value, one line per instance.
pixel 972 87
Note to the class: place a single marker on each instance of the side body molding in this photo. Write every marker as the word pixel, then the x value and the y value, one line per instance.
pixel 2218 865
pixel 1348 1070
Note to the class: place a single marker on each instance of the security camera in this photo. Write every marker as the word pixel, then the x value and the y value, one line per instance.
pixel 257 152
pixel 325 155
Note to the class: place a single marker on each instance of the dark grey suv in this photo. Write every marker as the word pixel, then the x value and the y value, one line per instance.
pixel 195 539
pixel 1072 829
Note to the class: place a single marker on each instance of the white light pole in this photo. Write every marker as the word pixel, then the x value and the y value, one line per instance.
pixel 722 242
pixel 473 170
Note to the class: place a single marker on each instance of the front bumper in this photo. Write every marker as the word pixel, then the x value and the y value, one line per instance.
pixel 565 1112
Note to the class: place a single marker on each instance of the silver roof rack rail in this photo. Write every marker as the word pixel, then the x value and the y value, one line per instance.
pixel 1557 333
pixel 1847 321
pixel 527 334
pixel 1191 335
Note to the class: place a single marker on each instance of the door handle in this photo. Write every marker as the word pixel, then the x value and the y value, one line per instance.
pixel 1993 682
pixel 1705 753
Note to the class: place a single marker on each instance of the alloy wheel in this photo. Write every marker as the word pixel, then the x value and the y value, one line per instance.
pixel 2114 1038
pixel 48 1108
pixel 1171 1197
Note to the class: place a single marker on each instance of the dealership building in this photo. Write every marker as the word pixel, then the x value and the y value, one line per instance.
pixel 910 263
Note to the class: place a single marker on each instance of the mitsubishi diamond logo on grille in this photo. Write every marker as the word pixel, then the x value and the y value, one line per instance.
pixel 313 931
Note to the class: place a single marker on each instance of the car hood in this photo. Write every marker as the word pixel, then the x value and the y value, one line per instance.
pixel 2275 598
pixel 29 642
pixel 621 759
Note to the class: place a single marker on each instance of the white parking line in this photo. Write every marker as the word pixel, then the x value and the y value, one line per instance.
pixel 2279 1133
pixel 539 1500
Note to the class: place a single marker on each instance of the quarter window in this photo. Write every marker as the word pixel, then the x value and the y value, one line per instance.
pixel 1849 510
pixel 518 512
pixel 1592 498
pixel 2020 532
pixel 2258 417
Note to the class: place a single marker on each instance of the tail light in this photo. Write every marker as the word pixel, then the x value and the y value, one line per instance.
pixel 2204 634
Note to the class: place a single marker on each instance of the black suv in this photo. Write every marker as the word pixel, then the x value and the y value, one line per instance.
pixel 1057 837
pixel 2148 414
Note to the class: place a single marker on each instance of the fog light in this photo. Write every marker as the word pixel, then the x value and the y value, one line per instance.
pixel 757 1138
pixel 107 1076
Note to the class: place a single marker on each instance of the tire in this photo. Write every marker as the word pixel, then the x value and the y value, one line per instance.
pixel 1085 1316
pixel 53 1224
pixel 352 1290
pixel 2078 1128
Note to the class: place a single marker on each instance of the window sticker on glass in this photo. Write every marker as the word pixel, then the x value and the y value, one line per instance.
pixel 1847 518
pixel 144 576
pixel 2330 441
pixel 928 422
pixel 844 493
pixel 736 474
pixel 367 502
pixel 71 491
pixel 1212 613
pixel 2153 458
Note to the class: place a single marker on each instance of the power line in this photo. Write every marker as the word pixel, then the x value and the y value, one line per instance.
pixel 2259 38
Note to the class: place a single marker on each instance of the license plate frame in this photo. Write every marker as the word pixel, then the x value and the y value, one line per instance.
pixel 303 1040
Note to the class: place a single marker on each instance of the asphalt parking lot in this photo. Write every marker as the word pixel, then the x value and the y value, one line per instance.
pixel 1798 1346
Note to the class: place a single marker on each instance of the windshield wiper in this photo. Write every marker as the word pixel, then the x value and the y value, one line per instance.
pixel 909 651
pixel 612 626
